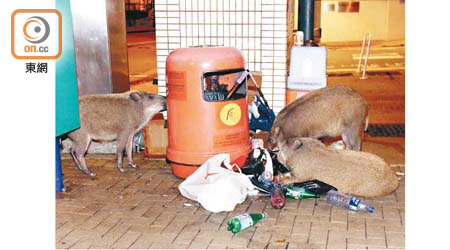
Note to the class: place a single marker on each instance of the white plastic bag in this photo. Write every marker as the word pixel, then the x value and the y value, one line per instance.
pixel 216 188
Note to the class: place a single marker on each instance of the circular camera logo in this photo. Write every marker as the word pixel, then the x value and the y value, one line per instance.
pixel 36 29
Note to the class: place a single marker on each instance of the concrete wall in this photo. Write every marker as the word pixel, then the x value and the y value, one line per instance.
pixel 383 18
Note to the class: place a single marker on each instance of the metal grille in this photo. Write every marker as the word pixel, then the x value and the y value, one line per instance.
pixel 387 130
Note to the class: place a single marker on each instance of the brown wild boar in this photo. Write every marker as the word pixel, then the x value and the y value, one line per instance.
pixel 329 111
pixel 358 173
pixel 110 117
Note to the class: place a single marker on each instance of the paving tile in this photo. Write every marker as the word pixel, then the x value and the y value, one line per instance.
pixel 81 244
pixel 376 243
pixel 143 241
pixel 301 227
pixel 126 240
pixel 336 241
pixel 144 210
pixel 395 240
pixel 356 244
pixel 375 232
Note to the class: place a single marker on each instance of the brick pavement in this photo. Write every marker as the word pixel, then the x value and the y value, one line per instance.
pixel 143 209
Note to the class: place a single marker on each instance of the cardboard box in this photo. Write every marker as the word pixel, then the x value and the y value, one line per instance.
pixel 155 137
pixel 144 84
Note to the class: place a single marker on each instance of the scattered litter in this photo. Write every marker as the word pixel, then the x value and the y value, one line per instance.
pixel 338 145
pixel 280 241
pixel 188 205
pixel 308 189
pixel 338 199
pixel 244 221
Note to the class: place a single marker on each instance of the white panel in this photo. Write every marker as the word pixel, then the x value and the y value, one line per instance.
pixel 280 7
pixel 160 14
pixel 280 27
pixel 279 72
pixel 279 84
pixel 226 30
pixel 162 52
pixel 188 17
pixel 279 91
pixel 173 27
pixel 173 13
pixel 220 41
pixel 267 66
pixel 174 33
pixel 189 4
pixel 239 19
pixel 163 46
pixel 207 18
pixel 161 58
pixel 280 21
pixel 232 4
pixel 172 7
pixel 252 4
pixel 159 26
pixel 257 67
pixel 280 47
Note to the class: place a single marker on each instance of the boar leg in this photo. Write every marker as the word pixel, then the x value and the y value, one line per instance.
pixel 129 150
pixel 351 138
pixel 121 142
pixel 78 150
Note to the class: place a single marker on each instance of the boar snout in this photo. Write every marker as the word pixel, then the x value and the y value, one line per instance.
pixel 273 139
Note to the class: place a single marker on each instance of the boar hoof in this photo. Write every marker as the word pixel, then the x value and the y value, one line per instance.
pixel 133 165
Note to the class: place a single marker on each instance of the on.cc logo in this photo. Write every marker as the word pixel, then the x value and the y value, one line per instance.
pixel 41 29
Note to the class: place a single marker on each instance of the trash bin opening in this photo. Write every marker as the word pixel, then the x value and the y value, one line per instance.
pixel 224 85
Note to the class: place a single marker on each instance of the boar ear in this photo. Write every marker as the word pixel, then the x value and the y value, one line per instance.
pixel 135 96
pixel 297 144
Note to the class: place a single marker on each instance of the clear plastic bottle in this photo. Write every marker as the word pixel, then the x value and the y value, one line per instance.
pixel 338 199
pixel 266 176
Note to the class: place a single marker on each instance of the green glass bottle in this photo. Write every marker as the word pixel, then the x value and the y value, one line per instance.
pixel 243 221
pixel 299 193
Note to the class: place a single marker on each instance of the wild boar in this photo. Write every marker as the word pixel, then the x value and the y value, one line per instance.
pixel 358 173
pixel 108 117
pixel 329 111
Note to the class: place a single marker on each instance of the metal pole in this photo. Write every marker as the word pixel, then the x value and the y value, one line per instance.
pixel 367 56
pixel 306 20
pixel 360 55
pixel 59 176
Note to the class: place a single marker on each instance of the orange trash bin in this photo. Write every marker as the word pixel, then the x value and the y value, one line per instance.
pixel 206 107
